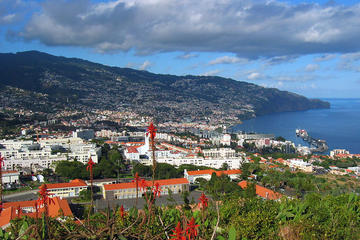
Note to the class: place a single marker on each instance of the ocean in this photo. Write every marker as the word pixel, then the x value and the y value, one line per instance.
pixel 339 125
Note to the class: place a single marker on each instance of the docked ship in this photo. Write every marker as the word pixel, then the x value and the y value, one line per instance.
pixel 318 144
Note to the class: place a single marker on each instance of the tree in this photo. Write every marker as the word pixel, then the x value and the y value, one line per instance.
pixel 71 170
pixel 250 190
pixel 280 139
pixel 85 195
pixel 142 170
pixel 224 166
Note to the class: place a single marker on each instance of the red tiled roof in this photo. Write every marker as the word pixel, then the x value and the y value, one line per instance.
pixel 7 172
pixel 132 149
pixel 163 182
pixel 6 215
pixel 201 172
pixel 72 183
pixel 218 173
pixel 10 209
pixel 229 172
pixel 262 191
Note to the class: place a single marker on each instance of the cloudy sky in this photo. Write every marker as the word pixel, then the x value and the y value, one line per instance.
pixel 308 47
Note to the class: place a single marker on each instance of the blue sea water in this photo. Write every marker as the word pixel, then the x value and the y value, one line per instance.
pixel 339 125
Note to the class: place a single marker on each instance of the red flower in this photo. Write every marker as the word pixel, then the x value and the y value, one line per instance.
pixel 152 131
pixel 44 196
pixel 122 212
pixel 178 233
pixel 1 162
pixel 203 200
pixel 90 165
pixel 156 190
pixel 18 211
pixel 137 179
pixel 191 231
pixel 36 209
pixel 143 185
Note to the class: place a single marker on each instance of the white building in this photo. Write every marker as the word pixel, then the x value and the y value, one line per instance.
pixel 83 134
pixel 338 151
pixel 226 140
pixel 303 150
pixel 219 153
pixel 22 154
pixel 233 163
pixel 299 164
pixel 70 189
pixel 206 174
pixel 10 177
pixel 128 190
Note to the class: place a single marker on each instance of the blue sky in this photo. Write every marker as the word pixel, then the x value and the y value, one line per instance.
pixel 308 47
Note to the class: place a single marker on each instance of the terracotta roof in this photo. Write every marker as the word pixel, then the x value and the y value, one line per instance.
pixel 210 172
pixel 7 172
pixel 72 183
pixel 262 191
pixel 229 172
pixel 163 182
pixel 10 209
pixel 6 215
pixel 132 149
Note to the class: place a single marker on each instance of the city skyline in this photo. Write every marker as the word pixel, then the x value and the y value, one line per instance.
pixel 307 47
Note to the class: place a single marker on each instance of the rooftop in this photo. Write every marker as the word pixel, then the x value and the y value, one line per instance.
pixel 72 183
pixel 210 172
pixel 262 191
pixel 10 210
pixel 163 182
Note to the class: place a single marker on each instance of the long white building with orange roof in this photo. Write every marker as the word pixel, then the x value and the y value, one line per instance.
pixel 70 189
pixel 128 190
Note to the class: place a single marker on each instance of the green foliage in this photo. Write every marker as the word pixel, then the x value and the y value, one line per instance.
pixel 110 165
pixel 221 186
pixel 280 138
pixel 142 170
pixel 71 170
pixel 166 171
pixel 314 217
pixel 85 195
pixel 250 190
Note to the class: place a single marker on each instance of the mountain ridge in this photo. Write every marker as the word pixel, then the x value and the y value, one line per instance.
pixel 60 82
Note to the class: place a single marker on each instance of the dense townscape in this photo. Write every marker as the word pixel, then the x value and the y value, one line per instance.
pixel 194 162
pixel 74 170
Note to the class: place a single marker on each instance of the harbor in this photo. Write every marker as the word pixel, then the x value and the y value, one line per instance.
pixel 316 145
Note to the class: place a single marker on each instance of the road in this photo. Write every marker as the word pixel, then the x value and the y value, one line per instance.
pixel 21 196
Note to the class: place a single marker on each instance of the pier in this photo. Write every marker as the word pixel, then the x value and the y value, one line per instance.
pixel 316 145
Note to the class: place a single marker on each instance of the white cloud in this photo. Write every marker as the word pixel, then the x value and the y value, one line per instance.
pixel 254 76
pixel 8 18
pixel 326 57
pixel 249 28
pixel 350 62
pixel 294 78
pixel 187 56
pixel 312 67
pixel 227 60
pixel 281 59
pixel 211 72
pixel 145 65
